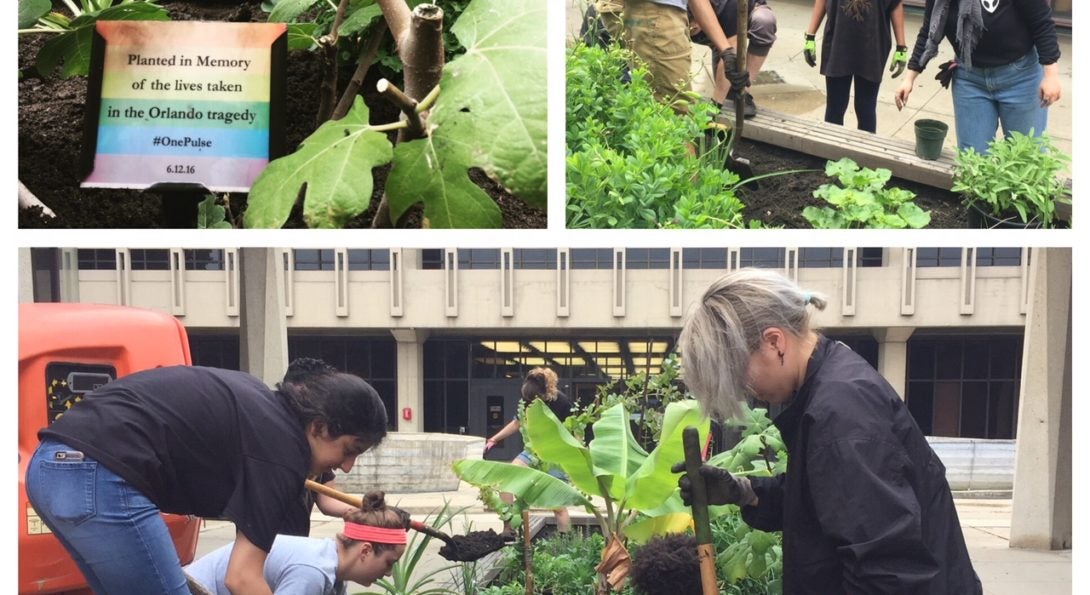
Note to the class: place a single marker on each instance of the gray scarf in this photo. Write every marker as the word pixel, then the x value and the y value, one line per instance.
pixel 970 29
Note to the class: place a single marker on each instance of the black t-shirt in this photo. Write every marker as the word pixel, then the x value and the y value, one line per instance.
pixel 201 441
pixel 560 406
pixel 857 38
pixel 1011 30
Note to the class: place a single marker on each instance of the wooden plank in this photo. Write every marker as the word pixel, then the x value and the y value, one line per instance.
pixel 829 141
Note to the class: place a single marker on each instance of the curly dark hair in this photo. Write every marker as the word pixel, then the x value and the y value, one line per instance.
pixel 667 565
pixel 344 403
pixel 302 368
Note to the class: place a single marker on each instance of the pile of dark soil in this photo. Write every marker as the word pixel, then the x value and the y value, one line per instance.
pixel 51 127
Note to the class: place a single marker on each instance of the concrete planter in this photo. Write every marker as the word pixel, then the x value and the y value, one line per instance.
pixel 974 464
pixel 410 462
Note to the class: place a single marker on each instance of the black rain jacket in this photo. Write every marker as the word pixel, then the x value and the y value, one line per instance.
pixel 864 506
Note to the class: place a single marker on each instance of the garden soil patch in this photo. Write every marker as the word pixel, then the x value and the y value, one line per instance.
pixel 51 129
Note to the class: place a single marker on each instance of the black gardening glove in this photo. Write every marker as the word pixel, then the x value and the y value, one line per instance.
pixel 738 77
pixel 722 487
pixel 946 73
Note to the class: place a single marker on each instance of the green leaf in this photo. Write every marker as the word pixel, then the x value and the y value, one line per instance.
pixel 554 444
pixel 301 36
pixel 333 165
pixel 32 10
pixel 654 481
pixel 73 48
pixel 644 529
pixel 287 10
pixel 491 114
pixel 913 215
pixel 615 451
pixel 359 20
pixel 538 489
pixel 211 215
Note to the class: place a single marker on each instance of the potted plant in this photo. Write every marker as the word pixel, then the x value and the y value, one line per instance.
pixel 1015 184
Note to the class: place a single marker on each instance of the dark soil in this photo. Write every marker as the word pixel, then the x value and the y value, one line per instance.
pixel 50 139
pixel 472 546
pixel 778 201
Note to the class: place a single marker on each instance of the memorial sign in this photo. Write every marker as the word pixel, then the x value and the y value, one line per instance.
pixel 183 104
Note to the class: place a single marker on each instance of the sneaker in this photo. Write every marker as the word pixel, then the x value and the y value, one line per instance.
pixel 748 111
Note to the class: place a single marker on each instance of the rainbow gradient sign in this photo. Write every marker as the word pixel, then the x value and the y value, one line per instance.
pixel 183 104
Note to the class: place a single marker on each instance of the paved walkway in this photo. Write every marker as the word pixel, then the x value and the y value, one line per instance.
pixel 787 84
pixel 986 524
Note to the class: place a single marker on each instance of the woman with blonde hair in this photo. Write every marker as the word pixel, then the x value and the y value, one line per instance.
pixel 373 540
pixel 864 505
pixel 540 383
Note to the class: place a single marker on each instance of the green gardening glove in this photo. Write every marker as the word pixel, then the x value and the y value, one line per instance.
pixel 809 50
pixel 900 58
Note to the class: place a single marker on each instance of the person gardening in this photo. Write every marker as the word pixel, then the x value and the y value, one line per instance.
pixel 540 383
pixel 864 505
pixel 373 540
pixel 761 34
pixel 197 441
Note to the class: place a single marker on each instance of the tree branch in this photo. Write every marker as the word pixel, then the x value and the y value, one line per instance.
pixel 329 56
pixel 366 59
pixel 406 104
pixel 397 17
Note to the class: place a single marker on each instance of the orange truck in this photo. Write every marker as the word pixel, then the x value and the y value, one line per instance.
pixel 66 351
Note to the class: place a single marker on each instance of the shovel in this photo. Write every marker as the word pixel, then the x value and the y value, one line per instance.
pixel 705 550
pixel 740 165
pixel 460 548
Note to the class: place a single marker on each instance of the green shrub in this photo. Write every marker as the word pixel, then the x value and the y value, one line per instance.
pixel 862 200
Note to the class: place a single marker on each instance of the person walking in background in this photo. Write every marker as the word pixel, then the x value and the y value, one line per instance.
pixel 864 505
pixel 373 541
pixel 854 47
pixel 199 441
pixel 761 33
pixel 1005 72
pixel 540 383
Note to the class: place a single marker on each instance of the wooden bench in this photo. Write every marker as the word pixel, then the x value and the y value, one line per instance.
pixel 830 141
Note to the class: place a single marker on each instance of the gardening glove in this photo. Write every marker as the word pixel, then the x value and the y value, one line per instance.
pixel 900 59
pixel 946 73
pixel 809 50
pixel 722 487
pixel 738 77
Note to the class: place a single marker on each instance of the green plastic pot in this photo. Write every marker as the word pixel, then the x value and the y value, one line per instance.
pixel 930 135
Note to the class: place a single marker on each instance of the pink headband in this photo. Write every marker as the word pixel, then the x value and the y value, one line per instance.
pixel 374 534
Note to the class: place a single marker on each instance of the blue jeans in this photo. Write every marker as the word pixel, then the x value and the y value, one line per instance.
pixel 112 531
pixel 984 98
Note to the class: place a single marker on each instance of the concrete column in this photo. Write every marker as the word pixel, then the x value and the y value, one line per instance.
pixel 68 273
pixel 263 333
pixel 410 377
pixel 893 355
pixel 1041 515
pixel 26 277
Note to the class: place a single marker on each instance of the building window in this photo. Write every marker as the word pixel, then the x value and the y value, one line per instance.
pixel 535 258
pixel 150 260
pixel 998 257
pixel 97 259
pixel 938 257
pixel 647 258
pixel 965 386
pixel 704 258
pixel 870 257
pixel 372 358
pixel 592 258
pixel 309 259
pixel 203 260
pixel 478 258
pixel 431 259
pixel 765 258
pixel 215 351
pixel 833 258
pixel 369 260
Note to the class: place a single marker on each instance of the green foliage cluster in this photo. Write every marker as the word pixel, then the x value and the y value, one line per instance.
pixel 563 564
pixel 1018 176
pixel 629 162
pixel 862 201
pixel 70 44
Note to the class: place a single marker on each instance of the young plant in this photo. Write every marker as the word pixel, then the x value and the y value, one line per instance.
pixel 211 215
pixel 72 35
pixel 489 114
pixel 1019 177
pixel 862 200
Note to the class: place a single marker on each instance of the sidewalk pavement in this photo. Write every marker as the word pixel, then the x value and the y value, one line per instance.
pixel 787 84
pixel 985 522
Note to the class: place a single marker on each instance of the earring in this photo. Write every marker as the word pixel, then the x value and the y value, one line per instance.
pixel 781 358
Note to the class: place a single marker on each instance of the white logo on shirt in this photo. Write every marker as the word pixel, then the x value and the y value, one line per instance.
pixel 989 5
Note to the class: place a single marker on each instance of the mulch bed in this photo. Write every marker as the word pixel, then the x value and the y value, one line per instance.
pixel 51 127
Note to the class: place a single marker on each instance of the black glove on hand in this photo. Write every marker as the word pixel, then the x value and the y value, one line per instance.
pixel 738 77
pixel 946 73
pixel 722 487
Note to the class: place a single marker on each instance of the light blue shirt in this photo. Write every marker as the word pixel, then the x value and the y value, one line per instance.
pixel 682 4
pixel 295 566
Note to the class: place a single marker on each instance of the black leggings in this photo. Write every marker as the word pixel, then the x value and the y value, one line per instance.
pixel 837 92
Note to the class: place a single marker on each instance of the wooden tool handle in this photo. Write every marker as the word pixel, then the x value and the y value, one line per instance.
pixel 705 550
pixel 335 494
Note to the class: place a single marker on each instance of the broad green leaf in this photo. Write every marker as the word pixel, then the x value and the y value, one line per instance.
pixel 913 215
pixel 301 36
pixel 74 47
pixel 644 529
pixel 211 215
pixel 491 114
pixel 554 444
pixel 654 482
pixel 32 10
pixel 287 10
pixel 614 450
pixel 539 490
pixel 359 20
pixel 333 165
